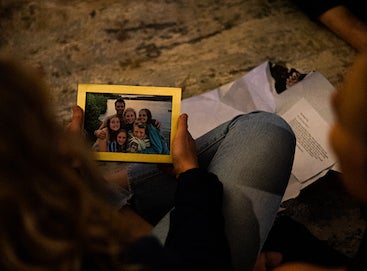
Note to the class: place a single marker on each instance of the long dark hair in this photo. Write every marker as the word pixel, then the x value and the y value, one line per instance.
pixel 53 213
pixel 149 115
pixel 112 134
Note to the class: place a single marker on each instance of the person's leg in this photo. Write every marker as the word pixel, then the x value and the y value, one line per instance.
pixel 150 190
pixel 252 155
pixel 153 191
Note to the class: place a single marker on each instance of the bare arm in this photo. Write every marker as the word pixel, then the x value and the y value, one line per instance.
pixel 347 26
pixel 103 142
pixel 100 132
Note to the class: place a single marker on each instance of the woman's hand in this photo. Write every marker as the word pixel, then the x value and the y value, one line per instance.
pixel 101 134
pixel 183 148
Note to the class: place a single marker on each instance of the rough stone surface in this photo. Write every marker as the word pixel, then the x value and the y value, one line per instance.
pixel 195 45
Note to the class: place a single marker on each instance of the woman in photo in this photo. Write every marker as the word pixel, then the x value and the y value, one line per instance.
pixel 129 118
pixel 108 144
pixel 158 144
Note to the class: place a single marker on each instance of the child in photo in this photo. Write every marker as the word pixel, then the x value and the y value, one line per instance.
pixel 139 140
pixel 129 118
pixel 121 141
pixel 107 144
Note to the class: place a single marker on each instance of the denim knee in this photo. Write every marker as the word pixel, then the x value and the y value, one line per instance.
pixel 266 118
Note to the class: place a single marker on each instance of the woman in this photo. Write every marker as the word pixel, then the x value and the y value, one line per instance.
pixel 58 214
pixel 129 118
pixel 252 156
pixel 108 143
pixel 158 144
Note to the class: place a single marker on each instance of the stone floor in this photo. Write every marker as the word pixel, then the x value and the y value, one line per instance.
pixel 195 45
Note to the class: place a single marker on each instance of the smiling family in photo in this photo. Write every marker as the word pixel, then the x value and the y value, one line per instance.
pixel 130 131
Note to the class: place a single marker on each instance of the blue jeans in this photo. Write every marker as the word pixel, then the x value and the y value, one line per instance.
pixel 252 155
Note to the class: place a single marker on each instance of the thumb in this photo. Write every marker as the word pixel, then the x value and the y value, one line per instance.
pixel 182 124
pixel 76 123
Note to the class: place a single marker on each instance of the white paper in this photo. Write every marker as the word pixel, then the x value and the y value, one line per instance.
pixel 248 93
pixel 312 154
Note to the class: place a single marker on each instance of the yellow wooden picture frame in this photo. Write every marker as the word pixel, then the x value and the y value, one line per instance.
pixel 97 101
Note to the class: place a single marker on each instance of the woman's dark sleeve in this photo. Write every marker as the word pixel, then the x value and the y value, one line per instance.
pixel 314 8
pixel 197 225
